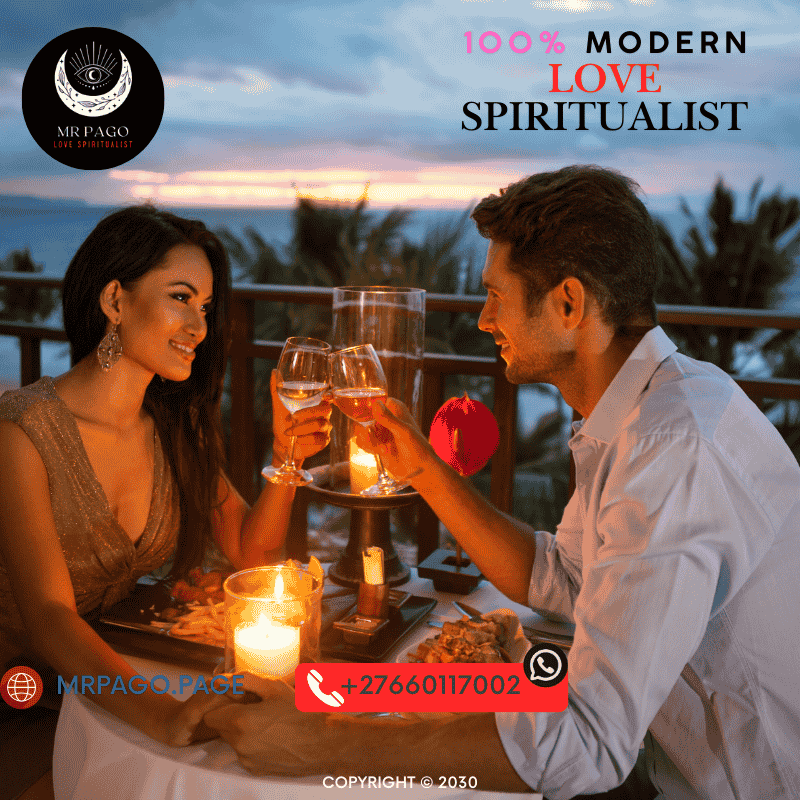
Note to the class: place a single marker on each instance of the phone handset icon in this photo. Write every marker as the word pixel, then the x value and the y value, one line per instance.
pixel 542 665
pixel 314 680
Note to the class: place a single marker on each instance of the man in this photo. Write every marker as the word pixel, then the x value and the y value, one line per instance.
pixel 677 556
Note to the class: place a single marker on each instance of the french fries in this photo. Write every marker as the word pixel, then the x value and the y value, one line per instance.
pixel 202 624
pixel 202 594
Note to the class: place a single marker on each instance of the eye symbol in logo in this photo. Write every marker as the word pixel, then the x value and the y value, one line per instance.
pixel 94 75
pixel 545 665
pixel 314 680
pixel 93 67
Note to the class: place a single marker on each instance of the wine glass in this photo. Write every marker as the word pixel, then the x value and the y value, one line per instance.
pixel 302 383
pixel 357 383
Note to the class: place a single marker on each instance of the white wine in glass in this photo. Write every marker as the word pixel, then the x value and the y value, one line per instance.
pixel 358 403
pixel 301 394
pixel 302 383
pixel 357 383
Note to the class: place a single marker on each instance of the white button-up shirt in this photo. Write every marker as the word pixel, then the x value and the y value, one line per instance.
pixel 678 559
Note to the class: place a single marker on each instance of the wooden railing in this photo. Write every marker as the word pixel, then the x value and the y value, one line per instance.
pixel 436 367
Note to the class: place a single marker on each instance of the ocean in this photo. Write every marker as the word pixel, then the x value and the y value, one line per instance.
pixel 53 231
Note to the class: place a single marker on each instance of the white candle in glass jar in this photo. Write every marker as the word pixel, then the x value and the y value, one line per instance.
pixel 363 469
pixel 266 648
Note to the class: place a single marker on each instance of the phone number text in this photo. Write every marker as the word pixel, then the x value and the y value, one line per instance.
pixel 457 684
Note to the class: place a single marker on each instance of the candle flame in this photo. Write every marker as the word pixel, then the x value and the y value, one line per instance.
pixel 264 625
pixel 278 591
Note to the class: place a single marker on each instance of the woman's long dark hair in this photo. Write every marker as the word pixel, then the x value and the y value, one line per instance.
pixel 125 246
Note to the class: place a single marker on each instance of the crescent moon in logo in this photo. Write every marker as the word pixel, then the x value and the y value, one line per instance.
pixel 87 105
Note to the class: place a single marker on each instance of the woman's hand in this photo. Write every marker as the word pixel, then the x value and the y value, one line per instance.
pixel 312 426
pixel 182 722
pixel 397 439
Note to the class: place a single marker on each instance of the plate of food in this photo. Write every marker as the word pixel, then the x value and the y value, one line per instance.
pixel 496 638
pixel 183 619
pixel 192 608
pixel 142 624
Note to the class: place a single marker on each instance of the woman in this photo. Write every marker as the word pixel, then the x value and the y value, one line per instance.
pixel 117 465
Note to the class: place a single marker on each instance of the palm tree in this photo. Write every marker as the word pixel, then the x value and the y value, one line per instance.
pixel 731 264
pixel 25 303
pixel 738 264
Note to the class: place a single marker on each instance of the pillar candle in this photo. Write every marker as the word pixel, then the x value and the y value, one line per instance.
pixel 373 566
pixel 363 469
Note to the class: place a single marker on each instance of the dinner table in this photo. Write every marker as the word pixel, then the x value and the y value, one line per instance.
pixel 97 755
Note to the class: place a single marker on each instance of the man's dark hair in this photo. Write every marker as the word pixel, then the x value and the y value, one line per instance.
pixel 581 221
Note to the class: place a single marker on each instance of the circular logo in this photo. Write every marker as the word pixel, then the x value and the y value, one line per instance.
pixel 545 665
pixel 21 687
pixel 81 103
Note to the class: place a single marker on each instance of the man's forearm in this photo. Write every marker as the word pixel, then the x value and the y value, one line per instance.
pixel 461 745
pixel 502 548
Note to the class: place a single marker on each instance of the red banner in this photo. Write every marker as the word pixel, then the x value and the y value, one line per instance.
pixel 424 687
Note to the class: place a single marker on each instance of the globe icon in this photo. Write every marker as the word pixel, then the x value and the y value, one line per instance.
pixel 21 687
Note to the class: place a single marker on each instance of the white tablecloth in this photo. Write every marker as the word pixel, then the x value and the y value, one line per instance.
pixel 97 756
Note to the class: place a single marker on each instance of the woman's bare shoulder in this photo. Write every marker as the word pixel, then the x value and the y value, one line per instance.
pixel 19 452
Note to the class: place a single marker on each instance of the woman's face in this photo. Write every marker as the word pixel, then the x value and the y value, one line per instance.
pixel 163 316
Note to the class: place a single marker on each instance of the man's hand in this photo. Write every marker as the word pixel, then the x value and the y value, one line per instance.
pixel 273 737
pixel 502 548
pixel 312 426
pixel 399 442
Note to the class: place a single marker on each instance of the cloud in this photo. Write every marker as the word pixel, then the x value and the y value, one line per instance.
pixel 361 84
pixel 29 26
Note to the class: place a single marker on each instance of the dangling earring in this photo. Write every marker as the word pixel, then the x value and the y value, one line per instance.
pixel 109 350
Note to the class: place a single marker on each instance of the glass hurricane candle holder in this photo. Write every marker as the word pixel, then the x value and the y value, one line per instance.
pixel 392 320
pixel 273 617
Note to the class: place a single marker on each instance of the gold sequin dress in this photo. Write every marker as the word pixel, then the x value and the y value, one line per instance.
pixel 103 562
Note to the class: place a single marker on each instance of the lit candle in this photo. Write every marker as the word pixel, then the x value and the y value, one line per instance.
pixel 363 469
pixel 266 648
pixel 373 566
pixel 281 607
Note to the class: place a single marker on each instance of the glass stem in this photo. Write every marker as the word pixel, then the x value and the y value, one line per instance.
pixel 381 469
pixel 290 461
pixel 383 475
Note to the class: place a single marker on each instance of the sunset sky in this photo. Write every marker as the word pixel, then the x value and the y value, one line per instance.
pixel 265 100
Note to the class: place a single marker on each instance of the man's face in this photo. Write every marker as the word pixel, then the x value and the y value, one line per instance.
pixel 534 348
